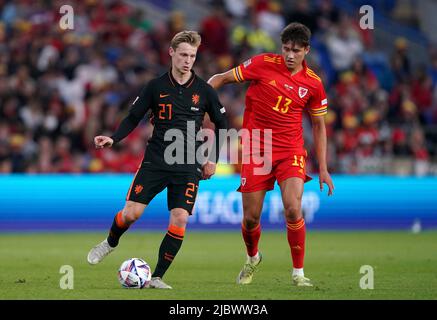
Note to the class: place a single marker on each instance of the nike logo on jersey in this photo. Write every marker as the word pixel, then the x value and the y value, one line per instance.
pixel 163 95
pixel 194 109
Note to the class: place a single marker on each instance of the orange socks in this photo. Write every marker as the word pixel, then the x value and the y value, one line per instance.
pixel 117 229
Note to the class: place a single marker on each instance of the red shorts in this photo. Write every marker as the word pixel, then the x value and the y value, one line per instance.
pixel 256 177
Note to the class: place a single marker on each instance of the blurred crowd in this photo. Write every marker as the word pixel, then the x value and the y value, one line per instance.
pixel 60 88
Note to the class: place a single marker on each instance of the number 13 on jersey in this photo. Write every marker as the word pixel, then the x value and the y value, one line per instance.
pixel 285 105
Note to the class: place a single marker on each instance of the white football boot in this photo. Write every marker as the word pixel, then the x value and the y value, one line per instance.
pixel 246 274
pixel 99 252
pixel 301 281
pixel 157 283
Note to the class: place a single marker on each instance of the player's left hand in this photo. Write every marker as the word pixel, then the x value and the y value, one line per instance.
pixel 324 177
pixel 208 170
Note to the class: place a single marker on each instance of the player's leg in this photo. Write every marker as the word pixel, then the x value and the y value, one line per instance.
pixel 131 212
pixel 253 188
pixel 292 191
pixel 145 185
pixel 181 196
pixel 251 231
pixel 251 226
pixel 170 245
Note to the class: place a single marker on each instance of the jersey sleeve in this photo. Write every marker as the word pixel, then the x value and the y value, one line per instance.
pixel 215 109
pixel 249 69
pixel 138 110
pixel 318 103
pixel 143 102
pixel 217 114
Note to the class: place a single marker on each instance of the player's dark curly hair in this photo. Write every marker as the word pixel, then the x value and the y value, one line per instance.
pixel 296 33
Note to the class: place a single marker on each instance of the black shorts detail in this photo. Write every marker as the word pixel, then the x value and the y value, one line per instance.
pixel 181 187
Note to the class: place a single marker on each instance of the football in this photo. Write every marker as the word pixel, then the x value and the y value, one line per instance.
pixel 134 273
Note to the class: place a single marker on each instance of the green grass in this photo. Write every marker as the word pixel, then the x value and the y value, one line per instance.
pixel 405 266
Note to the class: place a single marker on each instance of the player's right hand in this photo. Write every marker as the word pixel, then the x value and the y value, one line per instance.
pixel 103 142
pixel 324 177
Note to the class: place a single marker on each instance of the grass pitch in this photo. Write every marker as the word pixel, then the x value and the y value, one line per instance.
pixel 404 265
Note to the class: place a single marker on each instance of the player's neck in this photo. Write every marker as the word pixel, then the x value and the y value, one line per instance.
pixel 296 70
pixel 180 77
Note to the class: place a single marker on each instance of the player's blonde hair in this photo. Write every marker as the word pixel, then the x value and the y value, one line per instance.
pixel 191 37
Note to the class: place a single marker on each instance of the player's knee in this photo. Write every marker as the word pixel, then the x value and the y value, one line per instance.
pixel 179 217
pixel 250 222
pixel 130 217
pixel 292 212
pixel 132 213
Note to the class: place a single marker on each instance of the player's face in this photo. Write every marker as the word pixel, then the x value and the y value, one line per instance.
pixel 182 59
pixel 293 54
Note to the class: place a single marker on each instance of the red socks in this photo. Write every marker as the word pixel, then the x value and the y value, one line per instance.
pixel 295 235
pixel 296 240
pixel 251 239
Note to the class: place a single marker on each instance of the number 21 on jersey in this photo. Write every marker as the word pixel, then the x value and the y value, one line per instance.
pixel 165 111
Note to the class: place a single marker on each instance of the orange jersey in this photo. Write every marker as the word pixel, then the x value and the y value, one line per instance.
pixel 276 100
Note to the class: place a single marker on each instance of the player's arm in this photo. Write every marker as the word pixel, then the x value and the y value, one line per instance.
pixel 136 113
pixel 318 107
pixel 247 71
pixel 220 79
pixel 320 145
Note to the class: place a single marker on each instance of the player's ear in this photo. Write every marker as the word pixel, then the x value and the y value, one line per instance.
pixel 171 51
pixel 307 49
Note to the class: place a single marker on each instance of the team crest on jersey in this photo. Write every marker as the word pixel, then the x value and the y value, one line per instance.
pixel 195 98
pixel 138 188
pixel 243 181
pixel 302 92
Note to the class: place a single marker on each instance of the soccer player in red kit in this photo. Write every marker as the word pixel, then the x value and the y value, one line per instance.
pixel 282 87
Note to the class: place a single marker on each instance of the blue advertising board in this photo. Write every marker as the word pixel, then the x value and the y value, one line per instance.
pixel 89 202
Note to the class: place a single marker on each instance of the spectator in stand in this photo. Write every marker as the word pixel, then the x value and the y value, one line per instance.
pixel 303 13
pixel 58 89
pixel 344 45
pixel 401 65
pixel 215 32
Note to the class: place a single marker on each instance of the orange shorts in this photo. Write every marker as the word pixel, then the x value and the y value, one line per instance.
pixel 256 177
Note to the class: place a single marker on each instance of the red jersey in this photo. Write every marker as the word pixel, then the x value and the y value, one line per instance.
pixel 276 100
